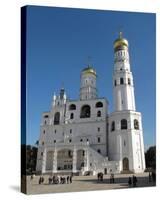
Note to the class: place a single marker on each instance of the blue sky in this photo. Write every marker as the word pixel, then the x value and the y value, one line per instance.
pixel 59 41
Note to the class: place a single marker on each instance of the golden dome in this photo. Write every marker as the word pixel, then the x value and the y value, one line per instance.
pixel 89 70
pixel 120 42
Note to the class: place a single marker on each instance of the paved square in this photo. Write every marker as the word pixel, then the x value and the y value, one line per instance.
pixel 86 183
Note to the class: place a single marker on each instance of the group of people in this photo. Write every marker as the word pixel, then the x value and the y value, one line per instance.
pixel 100 176
pixel 56 179
pixel 132 181
pixel 41 180
pixel 60 179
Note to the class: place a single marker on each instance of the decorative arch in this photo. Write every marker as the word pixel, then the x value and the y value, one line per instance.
pixel 125 164
pixel 85 111
pixel 72 107
pixel 136 124
pixel 99 104
pixel 56 118
pixel 123 124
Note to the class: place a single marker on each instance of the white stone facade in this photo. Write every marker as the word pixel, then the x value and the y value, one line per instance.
pixel 81 136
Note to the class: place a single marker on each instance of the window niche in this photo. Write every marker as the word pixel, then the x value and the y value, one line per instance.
pixel 99 113
pixel 85 111
pixel 56 118
pixel 113 126
pixel 99 105
pixel 136 124
pixel 121 81
pixel 123 124
pixel 72 107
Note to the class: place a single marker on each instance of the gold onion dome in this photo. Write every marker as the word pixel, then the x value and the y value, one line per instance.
pixel 89 70
pixel 120 42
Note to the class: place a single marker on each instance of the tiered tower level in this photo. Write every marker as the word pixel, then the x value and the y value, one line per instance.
pixel 125 130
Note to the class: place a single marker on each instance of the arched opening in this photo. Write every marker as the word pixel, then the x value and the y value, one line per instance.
pixel 80 159
pixel 56 118
pixel 123 124
pixel 85 111
pixel 121 81
pixel 99 113
pixel 71 115
pixel 72 107
pixel 129 81
pixel 136 124
pixel 99 104
pixel 125 164
pixel 113 126
pixel 115 82
pixel 64 159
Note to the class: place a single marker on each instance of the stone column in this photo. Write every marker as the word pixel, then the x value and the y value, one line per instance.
pixel 44 161
pixel 74 169
pixel 86 160
pixel 54 169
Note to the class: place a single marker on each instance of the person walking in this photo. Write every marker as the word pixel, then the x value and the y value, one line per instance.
pixel 67 179
pixel 71 179
pixel 129 182
pixel 134 181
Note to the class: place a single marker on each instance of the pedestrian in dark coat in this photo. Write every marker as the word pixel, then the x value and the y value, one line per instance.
pixel 129 181
pixel 71 179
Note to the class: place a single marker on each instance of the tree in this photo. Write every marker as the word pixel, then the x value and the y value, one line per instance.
pixel 150 157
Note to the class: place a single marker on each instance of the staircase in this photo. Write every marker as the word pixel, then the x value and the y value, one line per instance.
pixel 98 161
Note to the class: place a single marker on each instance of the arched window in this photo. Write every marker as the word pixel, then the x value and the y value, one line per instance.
pixel 98 139
pixel 71 115
pixel 56 118
pixel 45 116
pixel 99 113
pixel 115 83
pixel 113 126
pixel 125 164
pixel 136 124
pixel 85 111
pixel 121 81
pixel 99 104
pixel 123 124
pixel 72 107
pixel 129 81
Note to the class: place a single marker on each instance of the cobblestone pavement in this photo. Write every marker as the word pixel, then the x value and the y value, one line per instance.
pixel 86 183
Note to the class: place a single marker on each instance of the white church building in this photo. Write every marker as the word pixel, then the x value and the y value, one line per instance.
pixel 81 136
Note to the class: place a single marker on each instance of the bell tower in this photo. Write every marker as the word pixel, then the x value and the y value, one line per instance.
pixel 88 88
pixel 125 123
pixel 122 77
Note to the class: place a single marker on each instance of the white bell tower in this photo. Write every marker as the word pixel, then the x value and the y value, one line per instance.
pixel 125 123
pixel 88 88
pixel 122 78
